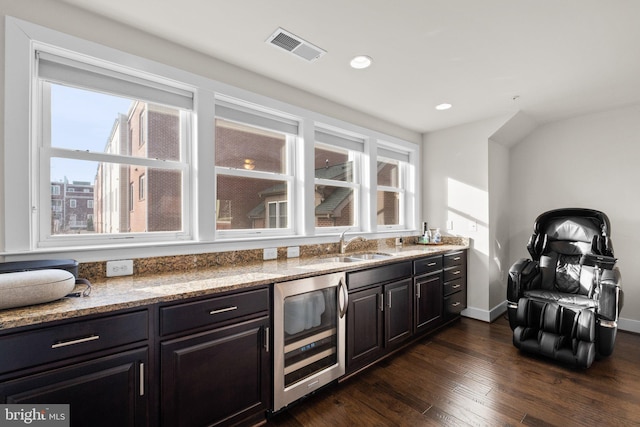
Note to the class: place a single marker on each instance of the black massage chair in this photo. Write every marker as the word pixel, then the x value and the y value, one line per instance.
pixel 565 301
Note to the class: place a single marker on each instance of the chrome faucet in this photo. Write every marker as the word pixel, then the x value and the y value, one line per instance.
pixel 343 244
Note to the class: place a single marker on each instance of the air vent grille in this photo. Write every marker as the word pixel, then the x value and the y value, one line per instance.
pixel 294 44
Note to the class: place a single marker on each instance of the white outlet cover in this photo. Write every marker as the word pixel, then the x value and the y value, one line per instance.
pixel 120 268
pixel 293 251
pixel 270 253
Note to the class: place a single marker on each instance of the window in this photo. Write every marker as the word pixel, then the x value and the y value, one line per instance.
pixel 72 203
pixel 336 171
pixel 391 202
pixel 254 169
pixel 83 106
pixel 141 187
pixel 119 131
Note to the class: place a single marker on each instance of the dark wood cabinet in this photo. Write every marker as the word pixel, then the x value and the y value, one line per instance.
pixel 379 317
pixel 397 309
pixel 99 366
pixel 219 374
pixel 107 391
pixel 455 284
pixel 365 326
pixel 428 302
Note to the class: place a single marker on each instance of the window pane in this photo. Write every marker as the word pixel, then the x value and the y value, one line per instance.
pixel 244 147
pixel 388 212
pixel 107 204
pixel 91 121
pixel 388 174
pixel 333 163
pixel 247 203
pixel 334 206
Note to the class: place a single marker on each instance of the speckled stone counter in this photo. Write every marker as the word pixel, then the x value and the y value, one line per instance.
pixel 113 294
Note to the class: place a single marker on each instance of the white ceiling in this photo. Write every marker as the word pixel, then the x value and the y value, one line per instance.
pixel 560 58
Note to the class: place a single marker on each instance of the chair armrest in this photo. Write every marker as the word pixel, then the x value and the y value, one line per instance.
pixel 611 297
pixel 524 274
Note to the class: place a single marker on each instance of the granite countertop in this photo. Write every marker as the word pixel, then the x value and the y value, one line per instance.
pixel 118 293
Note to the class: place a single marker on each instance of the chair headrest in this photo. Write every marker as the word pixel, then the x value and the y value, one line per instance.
pixel 574 224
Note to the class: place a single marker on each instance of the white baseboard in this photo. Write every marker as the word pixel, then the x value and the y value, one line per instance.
pixel 485 315
pixel 629 325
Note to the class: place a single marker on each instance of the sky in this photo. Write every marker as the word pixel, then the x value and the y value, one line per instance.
pixel 81 120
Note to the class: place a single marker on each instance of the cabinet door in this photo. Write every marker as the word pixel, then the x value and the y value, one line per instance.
pixel 428 306
pixel 364 327
pixel 108 391
pixel 398 306
pixel 216 377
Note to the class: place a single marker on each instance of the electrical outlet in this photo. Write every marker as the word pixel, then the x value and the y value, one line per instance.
pixel 473 226
pixel 293 251
pixel 270 253
pixel 122 267
pixel 450 224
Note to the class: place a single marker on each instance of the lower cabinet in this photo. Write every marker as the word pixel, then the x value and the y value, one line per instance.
pixel 428 310
pixel 108 391
pixel 379 319
pixel 99 366
pixel 219 376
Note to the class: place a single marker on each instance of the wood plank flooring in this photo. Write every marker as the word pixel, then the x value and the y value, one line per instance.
pixel 470 374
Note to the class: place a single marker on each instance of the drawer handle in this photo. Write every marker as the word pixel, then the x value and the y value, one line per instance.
pixel 431 264
pixel 76 341
pixel 456 286
pixel 455 305
pixel 456 272
pixel 457 258
pixel 223 310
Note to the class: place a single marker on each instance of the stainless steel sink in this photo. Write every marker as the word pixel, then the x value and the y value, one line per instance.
pixel 369 256
pixel 340 259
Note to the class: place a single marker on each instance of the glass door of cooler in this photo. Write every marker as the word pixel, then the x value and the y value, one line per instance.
pixel 310 334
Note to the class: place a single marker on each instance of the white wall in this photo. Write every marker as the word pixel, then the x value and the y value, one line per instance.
pixel 498 223
pixel 456 187
pixel 592 162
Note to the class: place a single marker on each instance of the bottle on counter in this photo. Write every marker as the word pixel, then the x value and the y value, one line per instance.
pixel 427 236
pixel 437 237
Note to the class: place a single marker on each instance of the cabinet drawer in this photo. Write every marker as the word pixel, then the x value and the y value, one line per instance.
pixel 383 274
pixel 452 259
pixel 427 265
pixel 455 303
pixel 453 286
pixel 454 273
pixel 195 314
pixel 45 345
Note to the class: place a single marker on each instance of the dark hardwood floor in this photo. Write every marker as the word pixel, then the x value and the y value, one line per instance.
pixel 471 374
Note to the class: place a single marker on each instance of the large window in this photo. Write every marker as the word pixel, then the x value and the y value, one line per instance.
pixel 254 170
pixel 116 159
pixel 337 179
pixel 89 116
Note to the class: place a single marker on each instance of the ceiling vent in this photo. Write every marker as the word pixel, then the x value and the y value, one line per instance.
pixel 294 44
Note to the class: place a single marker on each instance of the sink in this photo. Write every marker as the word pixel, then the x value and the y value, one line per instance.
pixel 340 259
pixel 371 256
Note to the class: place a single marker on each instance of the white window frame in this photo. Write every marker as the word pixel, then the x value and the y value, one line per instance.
pixel 22 225
pixel 234 110
pixel 73 203
pixel 405 190
pixel 329 137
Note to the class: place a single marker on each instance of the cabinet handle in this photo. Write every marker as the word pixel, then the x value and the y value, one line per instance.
pixel 431 264
pixel 223 310
pixel 457 258
pixel 381 302
pixel 141 367
pixel 76 341
pixel 456 286
pixel 455 304
pixel 456 272
pixel 389 299
pixel 266 339
pixel 418 290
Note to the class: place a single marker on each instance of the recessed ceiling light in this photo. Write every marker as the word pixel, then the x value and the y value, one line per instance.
pixel 444 106
pixel 361 61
